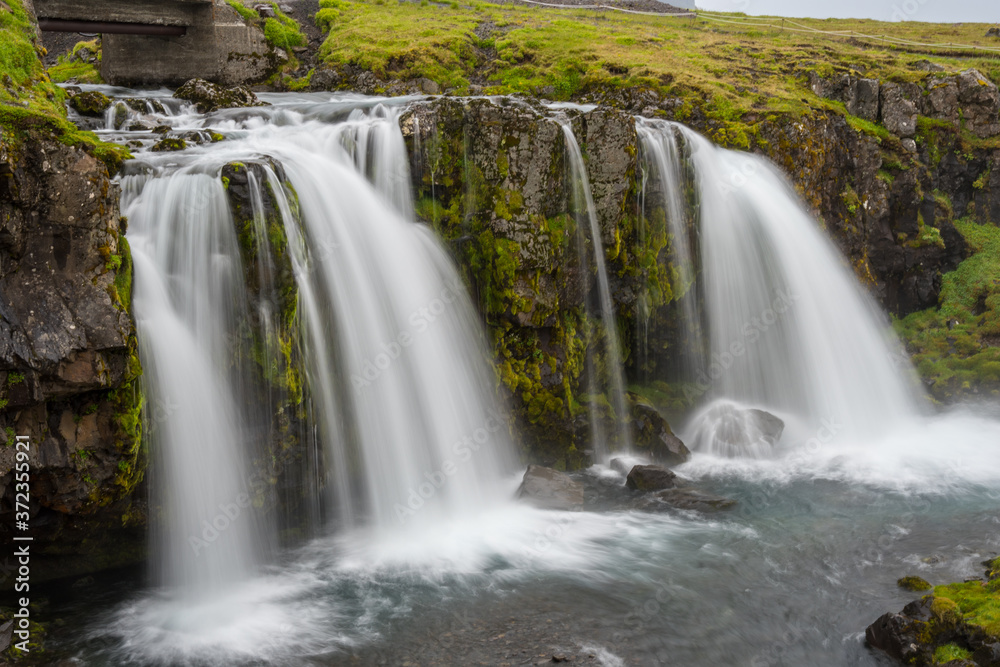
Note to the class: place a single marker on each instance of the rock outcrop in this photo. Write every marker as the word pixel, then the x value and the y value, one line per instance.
pixel 955 624
pixel 209 96
pixel 68 365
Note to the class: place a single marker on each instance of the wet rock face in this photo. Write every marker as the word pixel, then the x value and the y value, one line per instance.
pixel 67 364
pixel 550 489
pixel 492 177
pixel 651 435
pixel 650 478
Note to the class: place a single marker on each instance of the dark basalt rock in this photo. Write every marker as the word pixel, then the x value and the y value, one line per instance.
pixel 68 369
pixel 550 489
pixel 650 478
pixel 211 96
pixel 652 435
pixel 958 614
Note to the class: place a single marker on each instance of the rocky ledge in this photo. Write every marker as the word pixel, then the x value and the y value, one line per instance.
pixel 956 625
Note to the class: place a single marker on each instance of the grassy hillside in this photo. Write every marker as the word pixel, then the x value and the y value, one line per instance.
pixel 29 101
pixel 733 62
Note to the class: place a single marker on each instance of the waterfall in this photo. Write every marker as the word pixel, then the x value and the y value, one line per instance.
pixel 662 166
pixel 789 328
pixel 188 296
pixel 398 389
pixel 586 215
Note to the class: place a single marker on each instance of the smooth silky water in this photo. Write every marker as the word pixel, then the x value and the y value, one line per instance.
pixel 863 487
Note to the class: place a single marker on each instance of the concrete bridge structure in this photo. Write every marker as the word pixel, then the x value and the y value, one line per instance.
pixel 166 42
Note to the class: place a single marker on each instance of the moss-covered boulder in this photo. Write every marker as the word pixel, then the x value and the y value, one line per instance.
pixel 90 103
pixel 168 144
pixel 913 583
pixel 209 96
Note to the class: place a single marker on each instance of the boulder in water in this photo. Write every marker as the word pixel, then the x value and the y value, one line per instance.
pixel 209 96
pixel 650 478
pixel 624 464
pixel 90 103
pixel 652 434
pixel 169 144
pixel 728 430
pixel 913 583
pixel 550 489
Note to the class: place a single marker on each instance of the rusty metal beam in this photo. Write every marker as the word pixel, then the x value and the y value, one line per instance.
pixel 111 28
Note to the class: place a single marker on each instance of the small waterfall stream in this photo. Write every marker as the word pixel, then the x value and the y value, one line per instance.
pixel 586 214
pixel 789 328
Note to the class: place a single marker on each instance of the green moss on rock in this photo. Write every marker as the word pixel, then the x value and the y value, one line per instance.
pixel 913 583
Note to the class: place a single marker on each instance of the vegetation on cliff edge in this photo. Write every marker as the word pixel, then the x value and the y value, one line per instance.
pixel 956 346
pixel 731 73
pixel 29 101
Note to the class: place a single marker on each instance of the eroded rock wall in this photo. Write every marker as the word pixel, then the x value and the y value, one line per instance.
pixel 68 367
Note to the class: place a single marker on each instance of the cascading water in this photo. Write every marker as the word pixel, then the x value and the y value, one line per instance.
pixel 790 575
pixel 663 185
pixel 188 291
pixel 586 215
pixel 789 328
pixel 393 356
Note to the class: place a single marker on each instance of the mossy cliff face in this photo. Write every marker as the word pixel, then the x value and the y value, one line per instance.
pixel 890 199
pixel 492 178
pixel 68 365
pixel 926 223
pixel 266 347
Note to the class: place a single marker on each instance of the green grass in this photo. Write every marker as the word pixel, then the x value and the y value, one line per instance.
pixel 957 345
pixel 30 102
pixel 978 602
pixel 948 652
pixel 68 68
pixel 281 31
pixel 731 73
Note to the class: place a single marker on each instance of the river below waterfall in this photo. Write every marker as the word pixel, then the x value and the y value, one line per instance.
pixel 792 576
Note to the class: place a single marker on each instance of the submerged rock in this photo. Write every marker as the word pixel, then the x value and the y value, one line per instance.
pixel 211 96
pixel 727 430
pixel 550 489
pixel 650 478
pixel 686 498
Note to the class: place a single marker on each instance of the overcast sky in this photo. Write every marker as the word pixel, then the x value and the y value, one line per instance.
pixel 943 11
